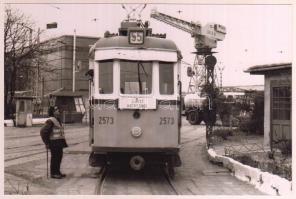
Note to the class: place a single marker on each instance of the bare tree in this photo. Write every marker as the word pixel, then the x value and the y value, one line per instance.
pixel 21 50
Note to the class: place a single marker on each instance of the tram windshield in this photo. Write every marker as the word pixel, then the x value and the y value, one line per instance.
pixel 106 77
pixel 135 77
pixel 166 78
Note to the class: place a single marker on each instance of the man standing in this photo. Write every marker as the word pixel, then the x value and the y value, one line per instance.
pixel 52 134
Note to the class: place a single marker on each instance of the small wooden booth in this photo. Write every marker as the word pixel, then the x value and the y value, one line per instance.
pixel 71 106
pixel 24 111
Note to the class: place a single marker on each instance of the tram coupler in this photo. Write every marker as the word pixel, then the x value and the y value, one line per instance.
pixel 137 162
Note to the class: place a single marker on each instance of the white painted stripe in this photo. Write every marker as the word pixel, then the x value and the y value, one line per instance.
pixel 135 54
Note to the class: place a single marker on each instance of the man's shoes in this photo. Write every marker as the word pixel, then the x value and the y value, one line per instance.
pixel 56 176
pixel 63 175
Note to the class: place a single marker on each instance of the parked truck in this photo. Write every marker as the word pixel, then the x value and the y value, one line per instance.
pixel 193 104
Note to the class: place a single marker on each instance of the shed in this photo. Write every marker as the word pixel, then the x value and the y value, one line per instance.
pixel 23 111
pixel 277 104
pixel 71 106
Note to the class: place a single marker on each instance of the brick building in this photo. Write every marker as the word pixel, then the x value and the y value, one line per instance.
pixel 56 74
pixel 58 55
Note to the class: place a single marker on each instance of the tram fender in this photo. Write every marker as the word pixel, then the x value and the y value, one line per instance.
pixel 176 160
pixel 97 160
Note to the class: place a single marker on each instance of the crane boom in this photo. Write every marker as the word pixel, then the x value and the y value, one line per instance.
pixel 205 37
pixel 189 27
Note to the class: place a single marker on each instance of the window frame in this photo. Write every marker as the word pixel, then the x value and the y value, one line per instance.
pixel 159 78
pixel 281 101
pixel 79 105
pixel 97 72
pixel 152 78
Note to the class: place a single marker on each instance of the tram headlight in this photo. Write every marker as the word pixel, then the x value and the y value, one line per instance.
pixel 136 131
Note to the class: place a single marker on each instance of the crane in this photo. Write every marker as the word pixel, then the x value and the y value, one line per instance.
pixel 202 74
pixel 205 37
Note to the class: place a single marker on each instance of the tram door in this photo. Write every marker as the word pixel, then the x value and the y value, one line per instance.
pixel 281 134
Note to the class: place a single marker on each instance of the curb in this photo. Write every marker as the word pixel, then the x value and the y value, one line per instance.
pixel 35 122
pixel 263 181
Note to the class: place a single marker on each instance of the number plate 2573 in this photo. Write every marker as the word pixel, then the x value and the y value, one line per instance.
pixel 106 120
pixel 166 121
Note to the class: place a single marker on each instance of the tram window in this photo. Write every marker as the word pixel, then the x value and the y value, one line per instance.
pixel 166 78
pixel 135 77
pixel 106 77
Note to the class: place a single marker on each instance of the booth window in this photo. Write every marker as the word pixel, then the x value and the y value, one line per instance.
pixel 22 106
pixel 79 105
pixel 135 77
pixel 166 78
pixel 281 106
pixel 106 77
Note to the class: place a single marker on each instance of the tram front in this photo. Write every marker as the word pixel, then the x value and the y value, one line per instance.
pixel 135 98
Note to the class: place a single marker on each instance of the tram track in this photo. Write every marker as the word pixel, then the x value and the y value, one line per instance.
pixel 39 142
pixel 150 182
pixel 28 151
pixel 71 141
pixel 169 181
pixel 102 176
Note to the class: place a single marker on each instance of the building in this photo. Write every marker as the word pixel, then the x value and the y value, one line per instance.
pixel 55 74
pixel 58 60
pixel 277 103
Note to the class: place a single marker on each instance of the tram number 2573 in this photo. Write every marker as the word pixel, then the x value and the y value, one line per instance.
pixel 106 120
pixel 166 121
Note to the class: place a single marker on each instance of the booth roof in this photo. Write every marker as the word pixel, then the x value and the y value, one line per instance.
pixel 262 69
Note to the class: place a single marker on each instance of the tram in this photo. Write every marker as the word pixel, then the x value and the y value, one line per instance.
pixel 135 104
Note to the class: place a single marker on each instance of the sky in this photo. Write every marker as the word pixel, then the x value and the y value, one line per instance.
pixel 256 34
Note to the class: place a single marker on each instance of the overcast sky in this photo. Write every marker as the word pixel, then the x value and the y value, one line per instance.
pixel 256 34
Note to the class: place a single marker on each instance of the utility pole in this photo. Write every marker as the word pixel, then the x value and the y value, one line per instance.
pixel 42 90
pixel 38 64
pixel 74 59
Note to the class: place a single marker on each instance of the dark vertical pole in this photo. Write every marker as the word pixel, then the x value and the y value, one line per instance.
pixel 74 61
pixel 38 73
pixel 61 48
pixel 210 62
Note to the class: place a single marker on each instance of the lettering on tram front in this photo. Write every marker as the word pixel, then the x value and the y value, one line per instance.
pixel 137 103
pixel 106 120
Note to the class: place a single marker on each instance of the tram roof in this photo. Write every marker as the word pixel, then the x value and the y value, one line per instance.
pixel 122 41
